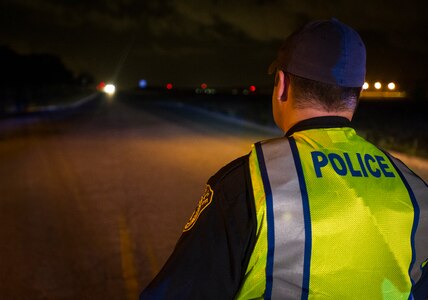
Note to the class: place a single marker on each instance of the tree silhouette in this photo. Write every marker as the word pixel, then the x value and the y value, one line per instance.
pixel 32 70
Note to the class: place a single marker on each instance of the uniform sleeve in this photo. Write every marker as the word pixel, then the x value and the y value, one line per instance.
pixel 210 258
pixel 420 290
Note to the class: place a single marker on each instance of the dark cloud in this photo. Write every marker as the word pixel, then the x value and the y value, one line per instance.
pixel 228 42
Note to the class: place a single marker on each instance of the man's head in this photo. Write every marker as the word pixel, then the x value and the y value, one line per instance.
pixel 320 68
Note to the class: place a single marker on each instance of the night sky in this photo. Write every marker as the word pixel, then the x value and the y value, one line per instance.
pixel 223 43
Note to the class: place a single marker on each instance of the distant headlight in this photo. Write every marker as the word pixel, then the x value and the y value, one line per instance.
pixel 109 89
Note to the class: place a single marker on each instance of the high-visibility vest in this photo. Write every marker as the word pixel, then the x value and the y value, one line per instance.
pixel 337 218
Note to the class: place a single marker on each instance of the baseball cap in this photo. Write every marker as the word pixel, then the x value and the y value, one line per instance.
pixel 326 51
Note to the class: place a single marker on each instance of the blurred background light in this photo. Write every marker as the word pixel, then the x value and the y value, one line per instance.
pixel 109 89
pixel 142 83
pixel 101 86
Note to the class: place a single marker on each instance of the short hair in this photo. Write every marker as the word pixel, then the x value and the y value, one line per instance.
pixel 329 97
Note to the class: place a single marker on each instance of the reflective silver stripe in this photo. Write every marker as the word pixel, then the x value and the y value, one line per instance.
pixel 288 218
pixel 420 190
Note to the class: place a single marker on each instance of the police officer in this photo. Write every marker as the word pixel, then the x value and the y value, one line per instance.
pixel 317 214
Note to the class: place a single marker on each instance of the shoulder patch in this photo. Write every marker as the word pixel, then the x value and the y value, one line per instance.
pixel 203 203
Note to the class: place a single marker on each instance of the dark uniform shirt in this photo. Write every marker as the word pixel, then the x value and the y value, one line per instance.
pixel 209 260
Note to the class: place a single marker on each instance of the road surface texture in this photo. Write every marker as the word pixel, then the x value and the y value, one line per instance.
pixel 92 203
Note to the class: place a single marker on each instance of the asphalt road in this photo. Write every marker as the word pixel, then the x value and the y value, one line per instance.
pixel 92 203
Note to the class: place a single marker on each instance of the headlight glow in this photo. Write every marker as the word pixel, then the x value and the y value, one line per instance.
pixel 109 89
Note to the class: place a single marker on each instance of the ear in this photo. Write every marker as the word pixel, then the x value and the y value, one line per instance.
pixel 281 86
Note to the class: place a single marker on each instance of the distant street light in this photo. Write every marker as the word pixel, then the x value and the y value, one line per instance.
pixel 391 86
pixel 377 85
pixel 365 85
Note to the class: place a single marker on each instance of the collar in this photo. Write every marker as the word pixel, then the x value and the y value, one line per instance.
pixel 319 122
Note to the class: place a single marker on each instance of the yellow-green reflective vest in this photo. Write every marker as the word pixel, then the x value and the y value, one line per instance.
pixel 337 219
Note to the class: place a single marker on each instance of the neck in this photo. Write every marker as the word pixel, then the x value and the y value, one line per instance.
pixel 299 115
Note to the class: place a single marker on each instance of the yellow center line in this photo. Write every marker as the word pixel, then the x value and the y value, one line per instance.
pixel 128 262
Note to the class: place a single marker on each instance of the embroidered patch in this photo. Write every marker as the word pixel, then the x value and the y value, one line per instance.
pixel 203 203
